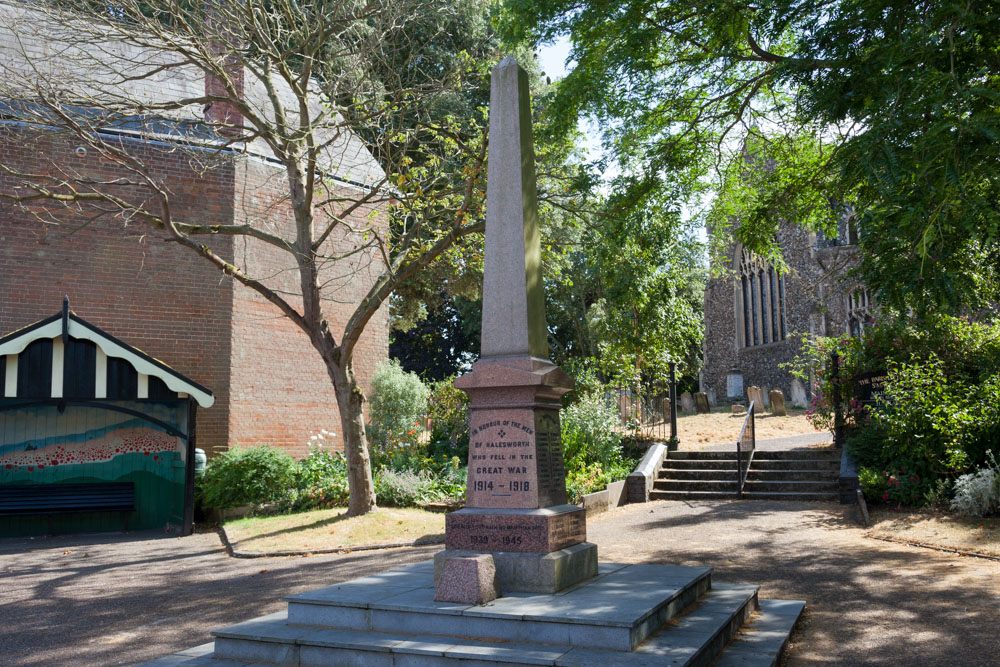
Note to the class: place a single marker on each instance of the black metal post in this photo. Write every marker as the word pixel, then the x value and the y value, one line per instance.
pixel 188 526
pixel 673 402
pixel 838 415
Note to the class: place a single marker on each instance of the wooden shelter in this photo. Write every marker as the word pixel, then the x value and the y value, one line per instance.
pixel 94 433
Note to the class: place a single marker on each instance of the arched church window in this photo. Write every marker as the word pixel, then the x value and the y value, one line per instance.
pixel 859 311
pixel 761 303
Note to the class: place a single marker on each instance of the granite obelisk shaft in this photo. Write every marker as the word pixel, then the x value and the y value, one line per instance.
pixel 513 300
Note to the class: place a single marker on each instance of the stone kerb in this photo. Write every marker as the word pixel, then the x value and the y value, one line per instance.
pixel 640 482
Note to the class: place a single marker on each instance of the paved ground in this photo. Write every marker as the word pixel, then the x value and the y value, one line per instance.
pixel 109 599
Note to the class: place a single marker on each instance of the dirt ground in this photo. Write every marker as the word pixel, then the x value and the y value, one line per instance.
pixel 722 426
pixel 113 599
pixel 939 529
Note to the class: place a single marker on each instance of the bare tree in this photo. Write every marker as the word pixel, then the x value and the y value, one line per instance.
pixel 332 87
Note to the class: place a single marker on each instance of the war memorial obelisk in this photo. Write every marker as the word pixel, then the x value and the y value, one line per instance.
pixel 517 534
pixel 516 507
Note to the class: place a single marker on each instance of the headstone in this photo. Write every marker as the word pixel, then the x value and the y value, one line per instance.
pixel 516 505
pixel 739 409
pixel 687 403
pixel 777 403
pixel 712 399
pixel 468 580
pixel 625 407
pixel 734 383
pixel 701 402
pixel 757 396
pixel 665 409
pixel 797 395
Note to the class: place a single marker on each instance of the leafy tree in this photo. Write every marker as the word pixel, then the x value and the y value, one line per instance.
pixel 295 83
pixel 902 97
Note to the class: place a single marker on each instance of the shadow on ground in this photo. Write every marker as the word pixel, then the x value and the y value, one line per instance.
pixel 868 602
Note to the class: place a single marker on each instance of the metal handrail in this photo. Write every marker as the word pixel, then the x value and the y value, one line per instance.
pixel 746 445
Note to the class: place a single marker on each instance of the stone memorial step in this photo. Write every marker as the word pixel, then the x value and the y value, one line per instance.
pixel 803 474
pixel 627 615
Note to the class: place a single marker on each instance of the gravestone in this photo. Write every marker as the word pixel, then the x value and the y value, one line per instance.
pixel 777 403
pixel 701 402
pixel 757 396
pixel 798 395
pixel 516 505
pixel 687 403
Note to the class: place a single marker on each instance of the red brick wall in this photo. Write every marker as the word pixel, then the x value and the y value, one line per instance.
pixel 163 299
pixel 282 393
pixel 270 384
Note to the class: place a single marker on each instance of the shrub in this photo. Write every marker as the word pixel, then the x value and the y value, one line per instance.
pixel 247 476
pixel 594 477
pixel 398 402
pixel 590 431
pixel 402 488
pixel 321 479
pixel 449 415
pixel 978 493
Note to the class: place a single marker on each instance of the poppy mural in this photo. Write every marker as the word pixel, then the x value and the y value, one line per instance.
pixel 81 407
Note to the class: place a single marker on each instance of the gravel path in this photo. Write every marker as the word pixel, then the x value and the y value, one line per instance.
pixel 112 599
pixel 768 444
pixel 867 601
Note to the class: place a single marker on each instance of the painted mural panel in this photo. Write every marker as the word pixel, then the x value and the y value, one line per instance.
pixel 40 445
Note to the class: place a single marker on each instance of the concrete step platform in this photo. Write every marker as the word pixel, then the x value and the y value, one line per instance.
pixel 699 464
pixel 782 486
pixel 694 495
pixel 762 640
pixel 683 485
pixel 825 465
pixel 776 475
pixel 818 454
pixel 627 615
pixel 729 475
pixel 791 495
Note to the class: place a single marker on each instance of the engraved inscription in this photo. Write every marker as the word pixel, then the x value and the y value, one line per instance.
pixel 502 464
pixel 548 449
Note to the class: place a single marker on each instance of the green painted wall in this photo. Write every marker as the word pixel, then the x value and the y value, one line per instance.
pixel 39 445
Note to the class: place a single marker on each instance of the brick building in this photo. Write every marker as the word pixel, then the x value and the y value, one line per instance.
pixel 755 319
pixel 270 383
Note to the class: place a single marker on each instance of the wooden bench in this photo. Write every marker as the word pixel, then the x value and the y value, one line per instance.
pixel 31 499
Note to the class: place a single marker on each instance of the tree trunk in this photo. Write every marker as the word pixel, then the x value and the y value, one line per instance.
pixel 350 402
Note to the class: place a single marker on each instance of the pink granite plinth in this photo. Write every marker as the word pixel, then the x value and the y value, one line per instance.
pixel 527 531
pixel 515 450
pixel 467 580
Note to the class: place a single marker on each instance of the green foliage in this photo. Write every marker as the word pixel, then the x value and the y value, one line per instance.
pixel 398 403
pixel 873 483
pixel 321 480
pixel 590 431
pixel 939 411
pixel 247 476
pixel 406 488
pixel 978 493
pixel 449 415
pixel 890 106
pixel 581 480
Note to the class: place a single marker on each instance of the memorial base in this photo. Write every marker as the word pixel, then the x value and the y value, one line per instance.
pixel 533 572
pixel 628 615
pixel 540 530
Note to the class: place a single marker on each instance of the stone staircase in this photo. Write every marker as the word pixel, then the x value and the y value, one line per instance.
pixel 795 474
pixel 626 615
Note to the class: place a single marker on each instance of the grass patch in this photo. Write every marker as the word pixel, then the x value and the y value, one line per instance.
pixel 332 529
pixel 939 529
